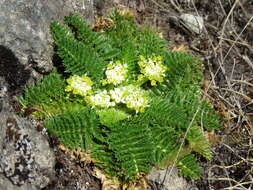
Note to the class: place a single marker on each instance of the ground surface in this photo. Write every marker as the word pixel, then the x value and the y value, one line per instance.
pixel 226 49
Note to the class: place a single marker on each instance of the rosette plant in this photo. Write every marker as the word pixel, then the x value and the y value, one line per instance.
pixel 124 98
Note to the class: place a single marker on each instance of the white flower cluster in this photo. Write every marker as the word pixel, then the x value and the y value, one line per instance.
pixel 152 68
pixel 134 97
pixel 101 99
pixel 131 95
pixel 116 73
pixel 79 85
pixel 117 94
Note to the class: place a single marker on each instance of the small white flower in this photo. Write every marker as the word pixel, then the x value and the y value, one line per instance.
pixel 152 68
pixel 79 85
pixel 101 99
pixel 117 94
pixel 116 73
pixel 134 97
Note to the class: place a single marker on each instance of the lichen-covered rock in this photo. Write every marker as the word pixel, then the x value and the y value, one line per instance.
pixel 24 27
pixel 26 161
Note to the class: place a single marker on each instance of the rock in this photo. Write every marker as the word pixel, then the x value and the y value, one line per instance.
pixel 3 91
pixel 165 180
pixel 26 161
pixel 193 23
pixel 24 28
pixel 12 72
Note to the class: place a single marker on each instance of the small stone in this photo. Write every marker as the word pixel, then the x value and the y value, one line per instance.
pixel 168 179
pixel 193 23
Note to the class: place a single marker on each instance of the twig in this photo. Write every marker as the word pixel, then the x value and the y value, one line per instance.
pixel 247 60
pixel 241 185
pixel 235 92
pixel 235 164
pixel 181 146
pixel 243 9
pixel 222 8
pixel 232 72
pixel 226 20
pixel 222 98
pixel 233 41
pixel 246 25
pixel 164 9
pixel 242 81
pixel 175 6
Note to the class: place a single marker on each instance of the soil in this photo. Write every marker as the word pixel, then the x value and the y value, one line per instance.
pixel 225 48
pixel 71 174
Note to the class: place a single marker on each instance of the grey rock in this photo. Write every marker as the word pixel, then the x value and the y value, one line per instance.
pixel 24 27
pixel 12 72
pixel 26 160
pixel 168 179
pixel 193 23
pixel 3 91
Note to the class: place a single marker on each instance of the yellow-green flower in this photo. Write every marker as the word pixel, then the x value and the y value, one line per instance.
pixel 116 73
pixel 152 68
pixel 100 100
pixel 132 96
pixel 79 85
pixel 117 94
pixel 136 98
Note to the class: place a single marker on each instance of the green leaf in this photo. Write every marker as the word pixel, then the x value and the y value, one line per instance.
pixel 78 58
pixel 133 148
pixel 188 166
pixel 111 116
pixel 198 142
pixel 76 129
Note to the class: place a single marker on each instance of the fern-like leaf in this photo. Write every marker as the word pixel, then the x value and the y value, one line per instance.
pixel 210 119
pixel 183 70
pixel 49 89
pixel 105 158
pixel 133 148
pixel 111 116
pixel 188 166
pixel 164 112
pixel 98 42
pixel 77 58
pixel 198 142
pixel 61 106
pixel 150 43
pixel 76 129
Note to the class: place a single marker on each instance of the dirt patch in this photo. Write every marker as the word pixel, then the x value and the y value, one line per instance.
pixel 71 174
